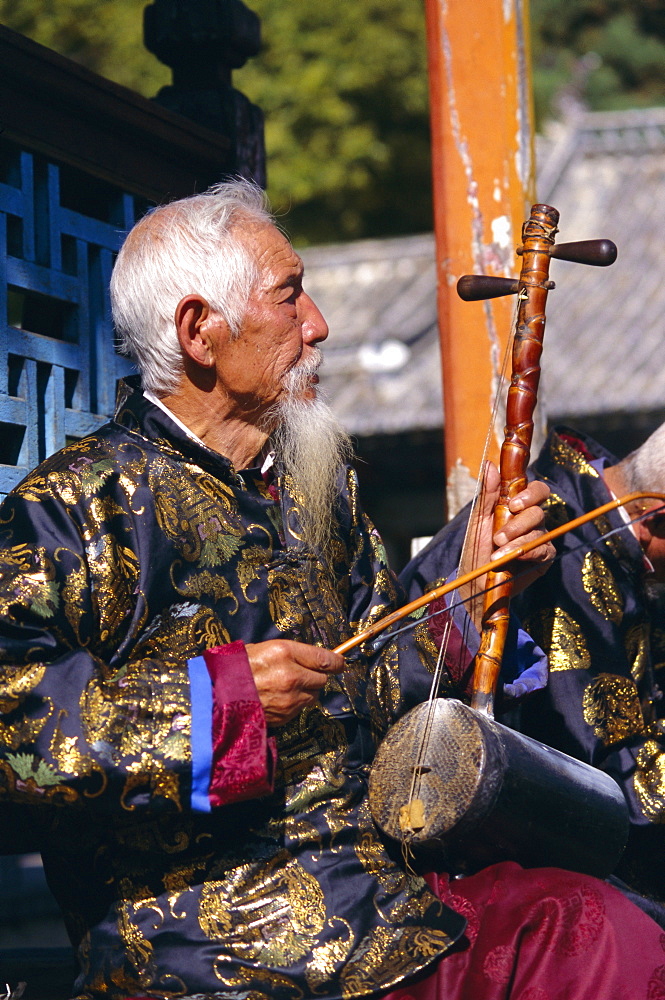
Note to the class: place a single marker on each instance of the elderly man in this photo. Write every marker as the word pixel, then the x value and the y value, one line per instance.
pixel 597 613
pixel 172 589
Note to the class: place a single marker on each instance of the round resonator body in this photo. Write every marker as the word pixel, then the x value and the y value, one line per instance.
pixel 451 780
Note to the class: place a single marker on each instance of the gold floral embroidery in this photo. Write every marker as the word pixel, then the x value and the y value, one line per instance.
pixel 383 958
pixel 556 510
pixel 18 681
pixel 611 706
pixel 248 981
pixel 197 513
pixel 563 637
pixel 75 593
pixel 138 948
pixel 599 584
pixel 114 569
pixel 564 454
pixel 304 604
pixel 202 584
pixel 271 913
pixel 33 581
pixel 327 957
pixel 638 651
pixel 181 632
pixel 27 774
pixel 252 558
pixel 649 781
pixel 145 715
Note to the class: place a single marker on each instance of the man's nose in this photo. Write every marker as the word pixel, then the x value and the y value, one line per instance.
pixel 314 326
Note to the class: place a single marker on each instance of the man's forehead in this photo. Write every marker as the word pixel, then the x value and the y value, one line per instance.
pixel 273 250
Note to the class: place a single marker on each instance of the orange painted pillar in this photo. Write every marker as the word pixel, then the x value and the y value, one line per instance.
pixel 483 180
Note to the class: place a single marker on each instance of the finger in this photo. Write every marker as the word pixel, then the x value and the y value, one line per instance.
pixel 520 524
pixel 491 484
pixel 317 659
pixel 535 493
pixel 541 553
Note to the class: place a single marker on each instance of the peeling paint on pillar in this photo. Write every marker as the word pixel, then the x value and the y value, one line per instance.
pixel 524 165
pixel 483 187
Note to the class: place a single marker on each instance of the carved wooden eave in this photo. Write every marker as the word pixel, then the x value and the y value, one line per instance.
pixel 53 106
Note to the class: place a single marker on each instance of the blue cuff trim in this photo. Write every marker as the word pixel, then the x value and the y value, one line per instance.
pixel 200 689
pixel 524 667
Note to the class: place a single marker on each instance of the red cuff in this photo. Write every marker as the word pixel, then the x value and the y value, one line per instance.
pixel 243 755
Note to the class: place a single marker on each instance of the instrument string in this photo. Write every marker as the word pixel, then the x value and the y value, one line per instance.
pixel 525 345
pixel 411 820
pixel 471 541
pixel 469 552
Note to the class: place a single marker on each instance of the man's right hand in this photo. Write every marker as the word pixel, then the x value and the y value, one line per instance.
pixel 289 675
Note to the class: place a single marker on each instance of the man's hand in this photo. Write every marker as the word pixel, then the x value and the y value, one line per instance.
pixel 289 675
pixel 524 525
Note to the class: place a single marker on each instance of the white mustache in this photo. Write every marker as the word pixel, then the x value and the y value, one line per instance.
pixel 297 377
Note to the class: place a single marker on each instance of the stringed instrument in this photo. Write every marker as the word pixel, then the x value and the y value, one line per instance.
pixel 448 778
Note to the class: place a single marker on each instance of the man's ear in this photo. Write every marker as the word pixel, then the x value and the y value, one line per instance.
pixel 646 528
pixel 191 321
pixel 655 523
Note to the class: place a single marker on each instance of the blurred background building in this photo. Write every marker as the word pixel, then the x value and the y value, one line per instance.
pixel 343 90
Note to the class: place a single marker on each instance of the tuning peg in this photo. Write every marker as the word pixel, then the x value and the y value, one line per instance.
pixel 599 253
pixel 472 287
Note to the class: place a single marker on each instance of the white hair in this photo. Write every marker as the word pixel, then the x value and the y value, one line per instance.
pixel 644 468
pixel 189 247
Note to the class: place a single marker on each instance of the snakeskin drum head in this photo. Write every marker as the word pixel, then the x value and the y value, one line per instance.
pixel 428 771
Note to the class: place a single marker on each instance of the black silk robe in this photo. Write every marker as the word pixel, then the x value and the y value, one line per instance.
pixel 603 636
pixel 122 557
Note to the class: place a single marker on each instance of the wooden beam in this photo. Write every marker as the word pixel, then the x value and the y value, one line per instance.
pixel 483 177
pixel 50 105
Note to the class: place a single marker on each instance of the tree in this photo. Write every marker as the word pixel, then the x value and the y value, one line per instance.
pixel 343 87
pixel 604 54
pixel 344 90
pixel 106 36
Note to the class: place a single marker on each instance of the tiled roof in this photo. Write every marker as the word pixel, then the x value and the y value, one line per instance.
pixel 606 332
pixel 605 173
pixel 382 369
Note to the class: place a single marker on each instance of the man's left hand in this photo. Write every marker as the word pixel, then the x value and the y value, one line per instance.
pixel 524 525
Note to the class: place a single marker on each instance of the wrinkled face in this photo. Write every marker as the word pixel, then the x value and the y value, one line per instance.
pixel 281 328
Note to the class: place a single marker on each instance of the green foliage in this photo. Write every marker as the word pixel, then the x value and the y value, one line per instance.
pixel 344 90
pixel 106 36
pixel 605 54
pixel 26 767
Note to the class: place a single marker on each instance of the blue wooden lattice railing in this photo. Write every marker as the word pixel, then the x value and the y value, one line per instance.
pixel 59 229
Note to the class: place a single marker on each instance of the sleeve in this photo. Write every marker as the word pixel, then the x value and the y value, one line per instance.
pixel 524 667
pixel 403 659
pixel 91 726
pixel 243 756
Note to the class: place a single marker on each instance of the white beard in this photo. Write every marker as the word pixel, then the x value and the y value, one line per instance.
pixel 311 448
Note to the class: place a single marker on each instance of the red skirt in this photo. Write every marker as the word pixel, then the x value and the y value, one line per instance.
pixel 543 934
